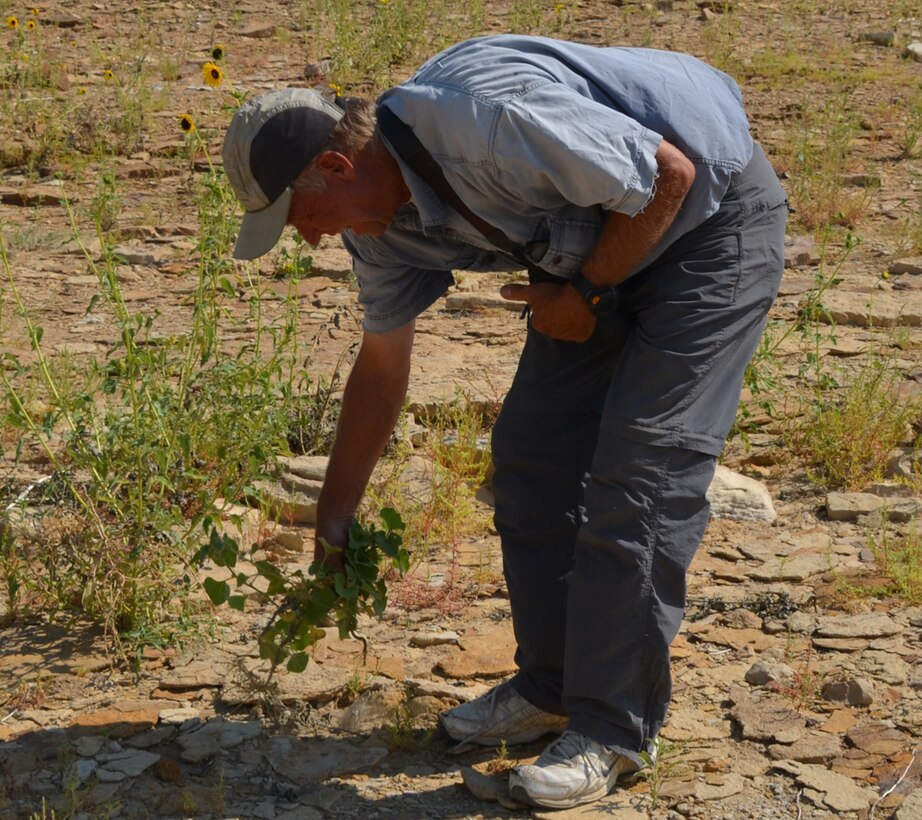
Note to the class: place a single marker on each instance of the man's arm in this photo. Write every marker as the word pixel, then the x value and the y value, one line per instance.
pixel 626 240
pixel 560 312
pixel 372 400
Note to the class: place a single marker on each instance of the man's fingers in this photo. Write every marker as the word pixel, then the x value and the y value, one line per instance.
pixel 516 293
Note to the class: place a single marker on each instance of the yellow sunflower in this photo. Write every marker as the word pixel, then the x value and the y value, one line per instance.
pixel 108 75
pixel 217 52
pixel 12 23
pixel 186 123
pixel 35 12
pixel 212 75
pixel 30 25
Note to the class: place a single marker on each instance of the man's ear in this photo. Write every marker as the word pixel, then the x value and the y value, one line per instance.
pixel 334 164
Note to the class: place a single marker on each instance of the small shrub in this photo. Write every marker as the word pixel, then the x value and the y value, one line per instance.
pixel 900 559
pixel 848 432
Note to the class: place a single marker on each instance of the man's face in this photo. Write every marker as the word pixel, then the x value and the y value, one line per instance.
pixel 354 198
pixel 331 211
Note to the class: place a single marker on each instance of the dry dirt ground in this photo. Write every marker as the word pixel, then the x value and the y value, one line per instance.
pixel 791 699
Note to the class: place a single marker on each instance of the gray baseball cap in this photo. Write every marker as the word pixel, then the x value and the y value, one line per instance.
pixel 270 141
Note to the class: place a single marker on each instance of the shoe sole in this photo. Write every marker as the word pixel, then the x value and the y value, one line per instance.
pixel 520 794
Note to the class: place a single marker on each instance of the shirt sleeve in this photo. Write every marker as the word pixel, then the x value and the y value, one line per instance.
pixel 391 293
pixel 553 146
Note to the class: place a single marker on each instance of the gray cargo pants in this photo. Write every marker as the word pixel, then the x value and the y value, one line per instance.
pixel 603 453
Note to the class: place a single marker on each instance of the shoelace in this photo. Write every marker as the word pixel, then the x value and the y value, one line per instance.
pixel 571 745
pixel 474 735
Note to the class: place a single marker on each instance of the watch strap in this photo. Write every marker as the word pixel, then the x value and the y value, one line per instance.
pixel 601 299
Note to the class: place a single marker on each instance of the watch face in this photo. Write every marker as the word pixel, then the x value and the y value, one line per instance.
pixel 604 300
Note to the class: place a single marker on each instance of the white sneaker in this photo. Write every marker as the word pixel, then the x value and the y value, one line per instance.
pixel 574 769
pixel 501 714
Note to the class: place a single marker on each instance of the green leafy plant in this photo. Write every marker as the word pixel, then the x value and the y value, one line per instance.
pixel 660 764
pixel 899 558
pixel 147 444
pixel 812 327
pixel 326 593
pixel 455 461
pixel 847 433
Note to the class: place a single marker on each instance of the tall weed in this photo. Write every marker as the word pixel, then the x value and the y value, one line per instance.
pixel 150 444
pixel 847 433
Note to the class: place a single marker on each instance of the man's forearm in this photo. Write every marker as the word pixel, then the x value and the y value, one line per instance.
pixel 372 401
pixel 626 240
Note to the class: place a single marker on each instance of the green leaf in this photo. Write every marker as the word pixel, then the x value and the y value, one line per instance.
pixel 218 591
pixel 392 519
pixel 297 662
pixel 236 602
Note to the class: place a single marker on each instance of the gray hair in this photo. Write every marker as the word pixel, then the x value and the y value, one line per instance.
pixel 352 134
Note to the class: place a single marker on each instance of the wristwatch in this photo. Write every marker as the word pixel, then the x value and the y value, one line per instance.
pixel 601 300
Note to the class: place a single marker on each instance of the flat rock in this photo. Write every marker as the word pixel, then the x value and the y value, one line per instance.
pixel 178 717
pixel 316 684
pixel 218 734
pixel 739 497
pixel 116 723
pixel 690 723
pixel 372 710
pixel 494 788
pixel 800 251
pixel 287 505
pixel 61 19
pixel 912 264
pixel 720 787
pixel 196 675
pixel 854 692
pixel 849 506
pixel 312 467
pixel 617 806
pixel 878 738
pixel 865 625
pixel 129 763
pixel 880 310
pixel 88 745
pixel 33 196
pixel 812 748
pixel 735 638
pixel 836 791
pixel 312 761
pixel 911 807
pixel 763 673
pixel 441 689
pixel 796 568
pixel 259 31
pixel 481 656
pixel 142 169
pixel 839 722
pixel 426 639
pixel 841 644
pixel 479 301
pixel 883 666
pixel 768 721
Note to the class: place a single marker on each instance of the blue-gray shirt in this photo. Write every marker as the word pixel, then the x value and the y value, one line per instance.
pixel 541 138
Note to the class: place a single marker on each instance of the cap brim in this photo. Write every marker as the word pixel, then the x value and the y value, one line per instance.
pixel 260 230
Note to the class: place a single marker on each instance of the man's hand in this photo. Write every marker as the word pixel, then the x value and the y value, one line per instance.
pixel 557 311
pixel 336 534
